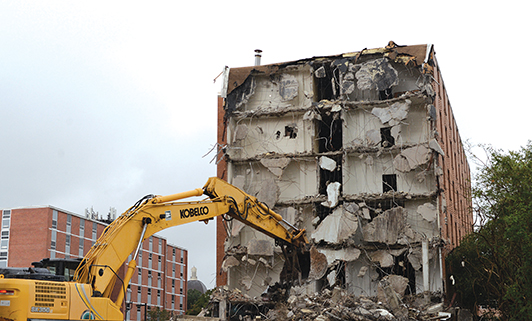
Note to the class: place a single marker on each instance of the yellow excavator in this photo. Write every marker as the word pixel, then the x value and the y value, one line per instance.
pixel 92 294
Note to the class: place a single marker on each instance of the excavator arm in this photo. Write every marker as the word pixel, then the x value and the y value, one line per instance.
pixel 156 213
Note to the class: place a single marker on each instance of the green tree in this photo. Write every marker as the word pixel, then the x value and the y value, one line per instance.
pixel 196 301
pixel 157 314
pixel 494 264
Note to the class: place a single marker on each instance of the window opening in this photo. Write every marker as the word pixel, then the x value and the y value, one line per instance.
pixel 387 139
pixel 290 131
pixel 389 183
pixel 329 132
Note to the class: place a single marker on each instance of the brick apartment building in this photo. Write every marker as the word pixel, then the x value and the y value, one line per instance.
pixel 360 149
pixel 33 233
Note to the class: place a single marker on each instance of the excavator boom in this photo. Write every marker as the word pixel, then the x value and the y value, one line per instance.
pixel 90 294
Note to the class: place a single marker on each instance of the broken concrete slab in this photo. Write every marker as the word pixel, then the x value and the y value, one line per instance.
pixel 333 193
pixel 385 227
pixel 428 211
pixel 327 163
pixel 348 254
pixel 411 158
pixel 382 257
pixel 433 144
pixel 318 264
pixel 352 208
pixel 275 165
pixel 320 72
pixel 230 262
pixel 394 114
pixel 336 227
pixel 376 74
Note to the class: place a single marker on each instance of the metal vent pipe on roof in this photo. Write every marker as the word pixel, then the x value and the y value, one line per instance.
pixel 258 55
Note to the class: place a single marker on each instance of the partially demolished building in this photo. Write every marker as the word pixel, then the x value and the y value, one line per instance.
pixel 360 149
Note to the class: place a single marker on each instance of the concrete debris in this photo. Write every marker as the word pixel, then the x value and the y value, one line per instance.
pixel 362 271
pixel 347 254
pixel 336 227
pixel 318 264
pixel 311 115
pixel 385 227
pixel 376 74
pixel 327 163
pixel 229 262
pixel 411 158
pixel 431 109
pixel 390 291
pixel 320 72
pixel 433 144
pixel 336 108
pixel 260 247
pixel 328 305
pixel 382 257
pixel 333 193
pixel 263 261
pixel 298 303
pixel 331 278
pixel 428 211
pixel 246 282
pixel 394 114
pixel 352 208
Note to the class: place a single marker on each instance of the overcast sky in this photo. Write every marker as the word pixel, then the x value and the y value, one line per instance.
pixel 103 102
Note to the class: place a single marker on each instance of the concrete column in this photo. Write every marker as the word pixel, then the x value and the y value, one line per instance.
pixel 425 262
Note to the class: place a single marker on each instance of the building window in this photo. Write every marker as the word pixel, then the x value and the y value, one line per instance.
pixel 94 230
pixel 6 214
pixel 54 239
pixel 4 244
pixel 5 235
pixel 68 223
pixel 160 245
pixel 151 244
pixel 389 183
pixel 54 219
pixel 81 228
pixel 80 248
pixel 5 223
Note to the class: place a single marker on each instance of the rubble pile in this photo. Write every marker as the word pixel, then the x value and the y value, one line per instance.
pixel 331 305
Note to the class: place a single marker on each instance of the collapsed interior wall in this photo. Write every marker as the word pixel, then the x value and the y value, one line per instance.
pixel 346 148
